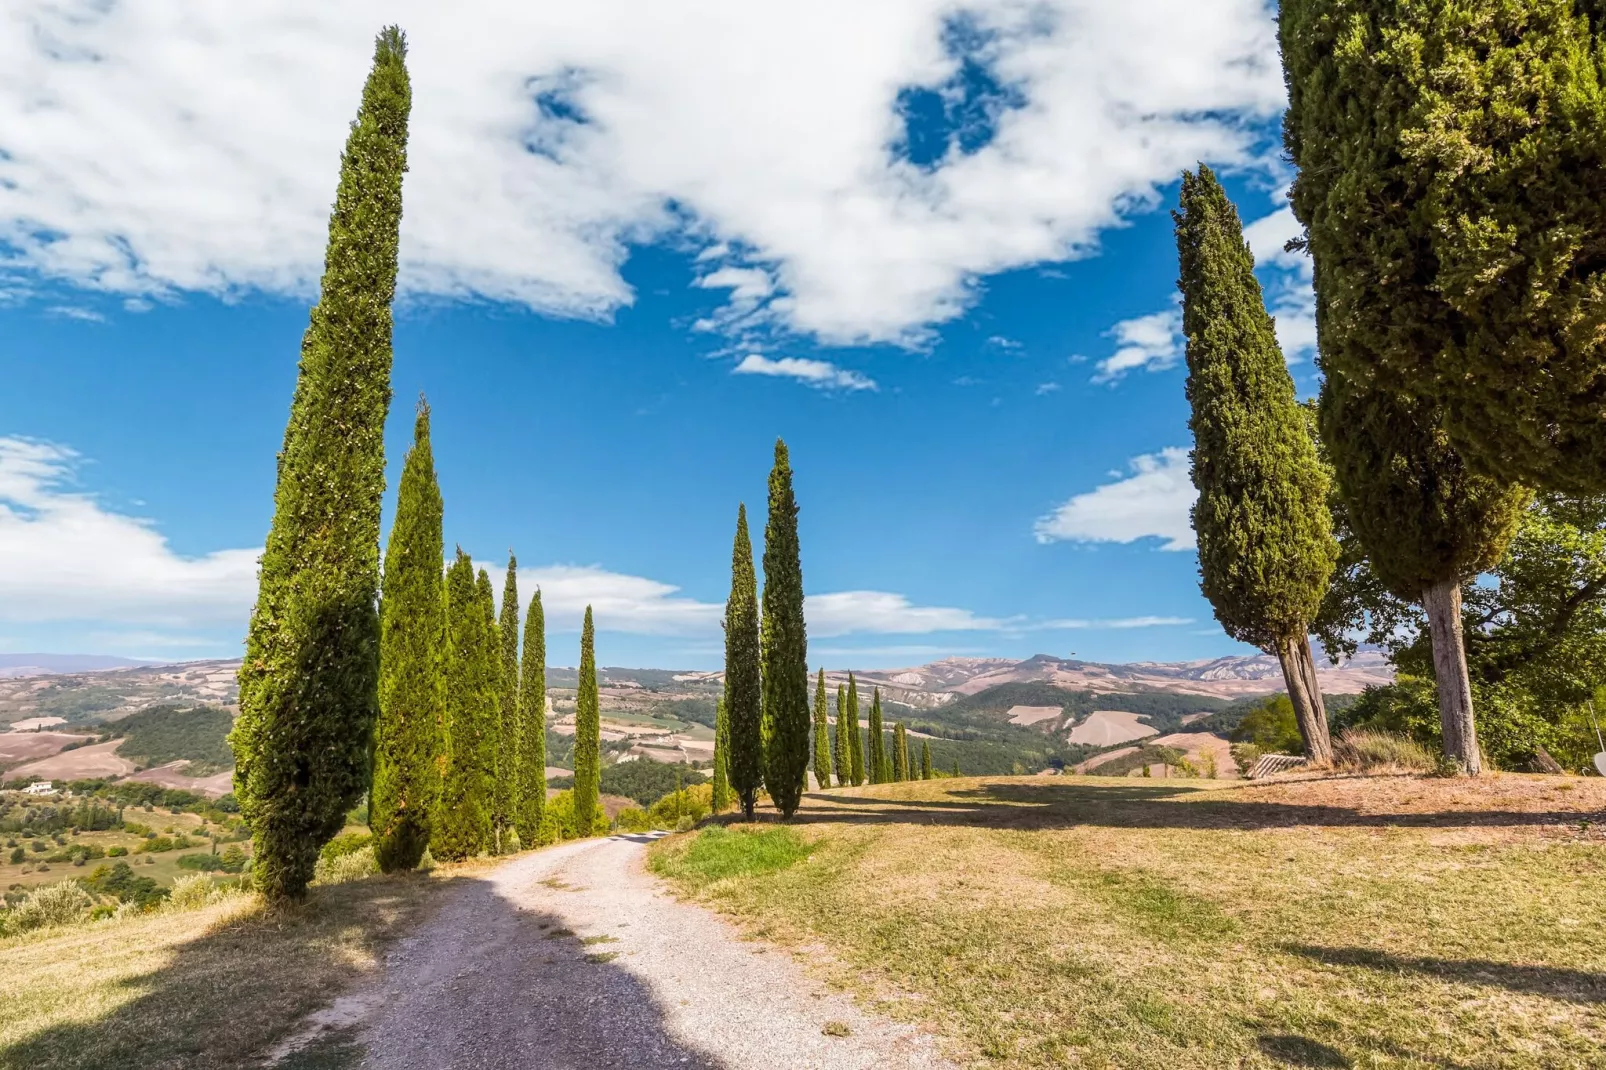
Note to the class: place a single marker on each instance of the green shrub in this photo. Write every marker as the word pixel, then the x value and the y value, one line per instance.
pixel 351 866
pixel 631 819
pixel 1272 727
pixel 202 862
pixel 116 852
pixel 560 814
pixel 194 891
pixel 120 882
pixel 345 844
pixel 17 856
pixel 695 802
pixel 53 904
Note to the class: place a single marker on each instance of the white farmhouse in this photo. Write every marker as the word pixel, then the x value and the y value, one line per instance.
pixel 40 787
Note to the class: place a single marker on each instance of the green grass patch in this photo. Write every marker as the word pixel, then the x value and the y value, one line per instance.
pixel 720 853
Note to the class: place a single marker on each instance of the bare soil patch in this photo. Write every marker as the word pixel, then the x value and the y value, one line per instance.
pixel 172 775
pixel 29 746
pixel 1106 728
pixel 96 760
pixel 1195 745
pixel 1033 714
pixel 1099 759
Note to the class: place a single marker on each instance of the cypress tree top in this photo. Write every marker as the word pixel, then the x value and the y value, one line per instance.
pixel 785 645
pixel 1266 546
pixel 309 682
pixel 1452 180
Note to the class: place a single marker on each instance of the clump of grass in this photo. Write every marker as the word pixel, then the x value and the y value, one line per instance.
pixel 1371 750
pixel 836 1029
pixel 54 904
pixel 604 939
pixel 720 853
pixel 558 934
pixel 352 866
pixel 599 957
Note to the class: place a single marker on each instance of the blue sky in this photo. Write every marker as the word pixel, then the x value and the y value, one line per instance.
pixel 960 318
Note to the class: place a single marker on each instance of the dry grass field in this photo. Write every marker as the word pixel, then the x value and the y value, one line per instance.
pixel 1342 922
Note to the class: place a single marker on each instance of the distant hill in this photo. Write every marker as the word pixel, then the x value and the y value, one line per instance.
pixel 18 665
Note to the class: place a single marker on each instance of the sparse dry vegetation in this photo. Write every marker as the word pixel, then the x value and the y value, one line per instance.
pixel 1377 921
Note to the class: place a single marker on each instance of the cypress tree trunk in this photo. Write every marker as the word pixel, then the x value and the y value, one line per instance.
pixel 744 700
pixel 721 796
pixel 587 734
pixel 507 751
pixel 309 682
pixel 822 735
pixel 841 758
pixel 412 640
pixel 462 825
pixel 880 769
pixel 1313 688
pixel 925 760
pixel 1292 653
pixel 785 646
pixel 531 732
pixel 1442 603
pixel 855 740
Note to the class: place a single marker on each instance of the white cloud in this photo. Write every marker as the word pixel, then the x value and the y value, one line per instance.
pixel 1292 297
pixel 1153 502
pixel 168 145
pixel 849 612
pixel 1047 388
pixel 619 603
pixel 816 373
pixel 64 556
pixel 1118 623
pixel 1151 343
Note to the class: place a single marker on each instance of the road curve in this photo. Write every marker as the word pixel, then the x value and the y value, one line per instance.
pixel 509 973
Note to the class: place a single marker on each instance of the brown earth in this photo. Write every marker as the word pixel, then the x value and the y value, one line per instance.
pixel 172 775
pixel 1105 728
pixel 96 760
pixel 1194 745
pixel 30 746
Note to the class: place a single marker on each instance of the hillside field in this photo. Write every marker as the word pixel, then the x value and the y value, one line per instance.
pixel 1032 922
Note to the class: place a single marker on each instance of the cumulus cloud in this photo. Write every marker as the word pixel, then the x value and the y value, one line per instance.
pixel 166 145
pixel 1153 502
pixel 849 612
pixel 64 556
pixel 1291 295
pixel 817 373
pixel 619 603
pixel 1117 624
pixel 1147 343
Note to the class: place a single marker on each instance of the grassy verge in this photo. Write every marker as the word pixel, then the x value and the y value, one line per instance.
pixel 1390 922
pixel 207 988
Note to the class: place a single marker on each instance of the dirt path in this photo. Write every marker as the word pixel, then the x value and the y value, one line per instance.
pixel 573 957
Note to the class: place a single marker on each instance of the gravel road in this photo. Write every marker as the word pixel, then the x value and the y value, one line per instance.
pixel 573 957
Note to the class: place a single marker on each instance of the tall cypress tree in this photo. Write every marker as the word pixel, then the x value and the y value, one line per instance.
pixel 1452 180
pixel 925 759
pixel 855 740
pixel 1266 546
pixel 309 683
pixel 744 700
pixel 876 762
pixel 1427 523
pixel 721 798
pixel 587 733
pixel 531 733
pixel 822 735
pixel 412 640
pixel 507 751
pixel 462 826
pixel 900 753
pixel 785 645
pixel 956 768
pixel 841 753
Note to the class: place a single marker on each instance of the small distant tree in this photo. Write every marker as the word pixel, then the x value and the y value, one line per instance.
pixel 841 754
pixel 784 645
pixel 720 800
pixel 822 735
pixel 925 760
pixel 532 725
pixel 880 766
pixel 507 750
pixel 587 731
pixel 855 740
pixel 956 767
pixel 744 700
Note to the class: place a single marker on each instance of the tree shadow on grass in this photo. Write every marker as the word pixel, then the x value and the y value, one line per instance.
pixel 1290 1049
pixel 1068 803
pixel 1555 982
pixel 228 996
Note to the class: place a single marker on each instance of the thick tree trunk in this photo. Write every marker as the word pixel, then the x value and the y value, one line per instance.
pixel 1293 653
pixel 1442 602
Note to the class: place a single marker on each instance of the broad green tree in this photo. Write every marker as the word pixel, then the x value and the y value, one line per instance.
pixel 587 733
pixel 412 642
pixel 507 750
pixel 720 799
pixel 1428 524
pixel 900 752
pixel 531 731
pixel 309 682
pixel 744 700
pixel 855 740
pixel 1266 546
pixel 878 765
pixel 822 734
pixel 925 759
pixel 1452 182
pixel 841 752
pixel 785 645
pixel 462 826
